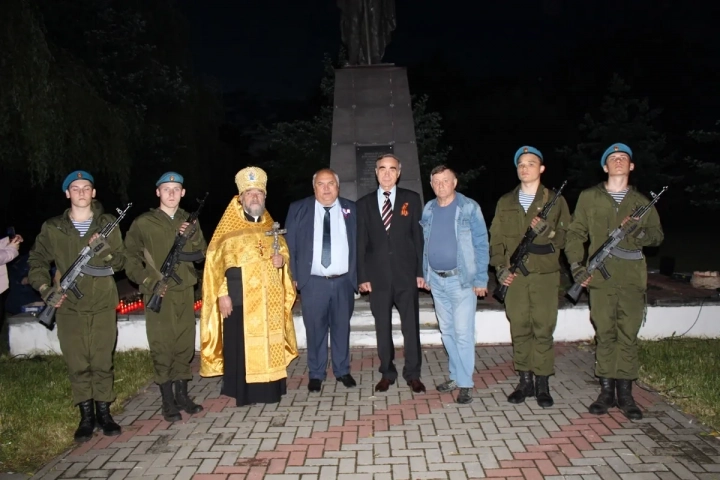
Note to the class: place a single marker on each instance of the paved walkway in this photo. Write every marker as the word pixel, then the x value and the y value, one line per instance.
pixel 356 434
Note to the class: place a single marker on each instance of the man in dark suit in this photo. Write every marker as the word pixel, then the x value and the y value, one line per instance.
pixel 390 249
pixel 321 236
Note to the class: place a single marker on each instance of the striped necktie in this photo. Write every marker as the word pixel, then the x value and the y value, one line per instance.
pixel 387 211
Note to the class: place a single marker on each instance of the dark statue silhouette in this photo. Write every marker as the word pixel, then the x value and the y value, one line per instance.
pixel 365 28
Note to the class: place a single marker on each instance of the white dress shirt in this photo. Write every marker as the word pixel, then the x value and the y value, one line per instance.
pixel 339 247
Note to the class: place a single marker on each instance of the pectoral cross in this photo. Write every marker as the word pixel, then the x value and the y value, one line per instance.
pixel 276 232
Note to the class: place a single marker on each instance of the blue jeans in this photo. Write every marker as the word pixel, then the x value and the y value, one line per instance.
pixel 455 310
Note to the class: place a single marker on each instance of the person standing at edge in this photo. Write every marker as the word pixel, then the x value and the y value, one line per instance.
pixel 531 303
pixel 247 333
pixel 322 238
pixel 390 247
pixel 87 327
pixel 455 267
pixel 617 305
pixel 171 331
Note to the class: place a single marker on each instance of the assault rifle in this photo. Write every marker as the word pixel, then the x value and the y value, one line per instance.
pixel 174 257
pixel 610 248
pixel 79 268
pixel 517 260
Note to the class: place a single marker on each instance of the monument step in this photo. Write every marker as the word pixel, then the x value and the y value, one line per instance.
pixel 362 317
pixel 364 335
pixel 27 336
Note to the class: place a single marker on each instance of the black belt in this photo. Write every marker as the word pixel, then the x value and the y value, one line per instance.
pixel 330 276
pixel 447 273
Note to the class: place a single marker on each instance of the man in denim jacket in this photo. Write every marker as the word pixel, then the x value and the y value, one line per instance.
pixel 455 267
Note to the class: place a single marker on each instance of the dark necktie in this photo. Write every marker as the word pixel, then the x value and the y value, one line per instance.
pixel 325 258
pixel 387 211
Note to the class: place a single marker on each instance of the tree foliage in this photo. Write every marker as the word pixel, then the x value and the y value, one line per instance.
pixel 625 119
pixel 704 175
pixel 50 112
pixel 99 84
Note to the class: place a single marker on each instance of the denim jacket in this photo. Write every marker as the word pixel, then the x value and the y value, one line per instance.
pixel 472 237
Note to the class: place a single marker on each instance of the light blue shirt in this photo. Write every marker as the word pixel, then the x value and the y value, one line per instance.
pixel 381 198
pixel 339 247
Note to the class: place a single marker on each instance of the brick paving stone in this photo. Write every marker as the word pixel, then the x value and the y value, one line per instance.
pixel 357 433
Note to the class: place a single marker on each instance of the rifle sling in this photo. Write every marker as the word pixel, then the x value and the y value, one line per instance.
pixel 195 256
pixel 544 249
pixel 624 254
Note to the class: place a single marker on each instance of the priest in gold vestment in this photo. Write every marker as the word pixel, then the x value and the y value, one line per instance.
pixel 246 326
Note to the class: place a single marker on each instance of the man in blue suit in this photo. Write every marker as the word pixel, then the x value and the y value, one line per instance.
pixel 321 236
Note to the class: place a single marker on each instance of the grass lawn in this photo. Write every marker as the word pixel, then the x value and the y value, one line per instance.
pixel 37 418
pixel 685 371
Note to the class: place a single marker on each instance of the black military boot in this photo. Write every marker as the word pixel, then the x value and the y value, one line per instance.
pixel 105 420
pixel 606 399
pixel 542 392
pixel 86 428
pixel 170 411
pixel 182 400
pixel 525 388
pixel 625 400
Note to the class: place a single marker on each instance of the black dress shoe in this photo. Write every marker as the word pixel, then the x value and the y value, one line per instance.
pixel 416 385
pixel 347 380
pixel 383 385
pixel 314 385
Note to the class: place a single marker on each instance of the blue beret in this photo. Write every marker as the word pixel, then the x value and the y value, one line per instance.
pixel 615 147
pixel 170 177
pixel 77 175
pixel 527 149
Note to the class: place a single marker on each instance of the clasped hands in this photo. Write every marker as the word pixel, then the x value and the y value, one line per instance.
pixel 366 287
pixel 225 303
pixel 15 242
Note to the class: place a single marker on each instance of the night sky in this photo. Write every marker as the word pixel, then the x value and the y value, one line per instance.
pixel 274 48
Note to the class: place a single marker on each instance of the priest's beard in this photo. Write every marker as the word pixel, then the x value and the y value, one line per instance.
pixel 255 209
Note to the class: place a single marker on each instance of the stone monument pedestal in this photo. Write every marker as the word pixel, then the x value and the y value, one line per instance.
pixel 372 115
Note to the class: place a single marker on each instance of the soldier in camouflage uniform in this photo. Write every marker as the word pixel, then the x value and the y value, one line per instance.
pixel 171 332
pixel 87 328
pixel 617 304
pixel 531 303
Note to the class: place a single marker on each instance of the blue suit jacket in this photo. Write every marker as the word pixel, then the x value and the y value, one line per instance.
pixel 300 224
